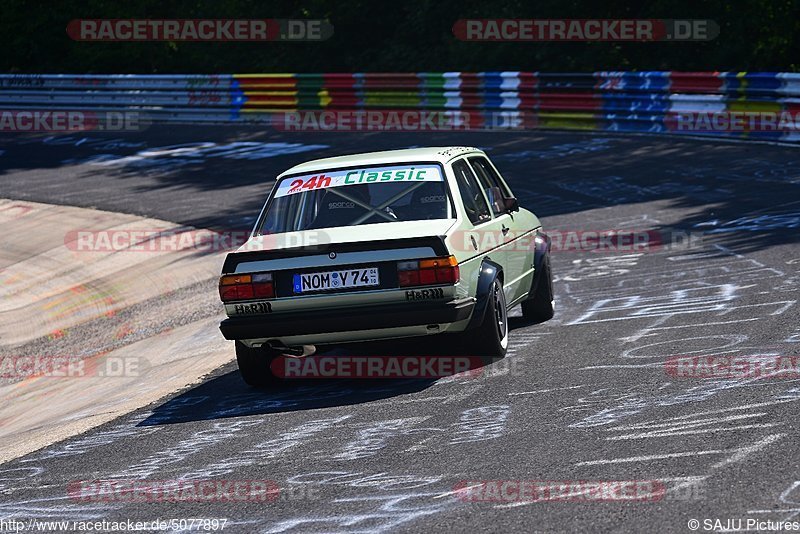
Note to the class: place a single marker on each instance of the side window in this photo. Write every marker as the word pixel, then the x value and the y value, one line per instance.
pixel 491 183
pixel 471 196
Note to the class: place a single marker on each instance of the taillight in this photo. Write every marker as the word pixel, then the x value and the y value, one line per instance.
pixel 428 272
pixel 246 287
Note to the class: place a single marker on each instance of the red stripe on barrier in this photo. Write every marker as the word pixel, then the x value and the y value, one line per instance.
pixel 339 81
pixel 569 101
pixel 695 82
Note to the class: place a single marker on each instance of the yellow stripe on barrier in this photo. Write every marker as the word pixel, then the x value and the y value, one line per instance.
pixel 754 106
pixel 572 121
pixel 291 94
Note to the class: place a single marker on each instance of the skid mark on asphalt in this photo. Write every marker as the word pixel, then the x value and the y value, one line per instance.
pixel 538 391
pixel 667 302
pixel 791 497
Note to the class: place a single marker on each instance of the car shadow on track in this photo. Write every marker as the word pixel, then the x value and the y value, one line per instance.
pixel 227 395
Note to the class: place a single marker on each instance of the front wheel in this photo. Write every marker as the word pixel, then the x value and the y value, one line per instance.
pixel 254 364
pixel 540 306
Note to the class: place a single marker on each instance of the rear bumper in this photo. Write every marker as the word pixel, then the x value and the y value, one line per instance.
pixel 344 320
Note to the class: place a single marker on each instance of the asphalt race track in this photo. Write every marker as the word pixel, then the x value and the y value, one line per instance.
pixel 584 397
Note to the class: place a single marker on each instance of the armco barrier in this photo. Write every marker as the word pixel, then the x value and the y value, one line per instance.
pixel 616 101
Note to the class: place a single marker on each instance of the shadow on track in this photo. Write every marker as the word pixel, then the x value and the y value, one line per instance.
pixel 227 395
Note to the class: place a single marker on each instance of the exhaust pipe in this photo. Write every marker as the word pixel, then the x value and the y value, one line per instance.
pixel 299 351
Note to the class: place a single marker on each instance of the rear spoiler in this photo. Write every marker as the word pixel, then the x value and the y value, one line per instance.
pixel 235 258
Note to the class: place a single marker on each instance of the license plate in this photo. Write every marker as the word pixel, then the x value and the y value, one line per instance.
pixel 332 280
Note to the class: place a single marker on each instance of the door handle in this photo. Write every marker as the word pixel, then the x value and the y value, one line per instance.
pixel 504 229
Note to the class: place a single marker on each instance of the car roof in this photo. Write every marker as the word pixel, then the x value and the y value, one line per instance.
pixel 441 154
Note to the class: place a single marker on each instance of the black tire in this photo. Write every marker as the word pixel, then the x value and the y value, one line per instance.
pixel 539 306
pixel 490 339
pixel 254 365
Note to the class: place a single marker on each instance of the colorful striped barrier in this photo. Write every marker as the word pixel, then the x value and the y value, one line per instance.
pixel 653 101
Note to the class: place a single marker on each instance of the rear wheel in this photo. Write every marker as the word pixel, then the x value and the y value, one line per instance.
pixel 491 337
pixel 254 364
pixel 540 306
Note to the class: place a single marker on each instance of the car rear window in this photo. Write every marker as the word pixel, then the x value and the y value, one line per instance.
pixel 352 197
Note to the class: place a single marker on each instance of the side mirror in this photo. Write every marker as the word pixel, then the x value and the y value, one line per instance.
pixel 511 204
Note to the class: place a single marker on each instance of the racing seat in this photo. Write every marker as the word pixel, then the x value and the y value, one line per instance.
pixel 428 201
pixel 335 210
